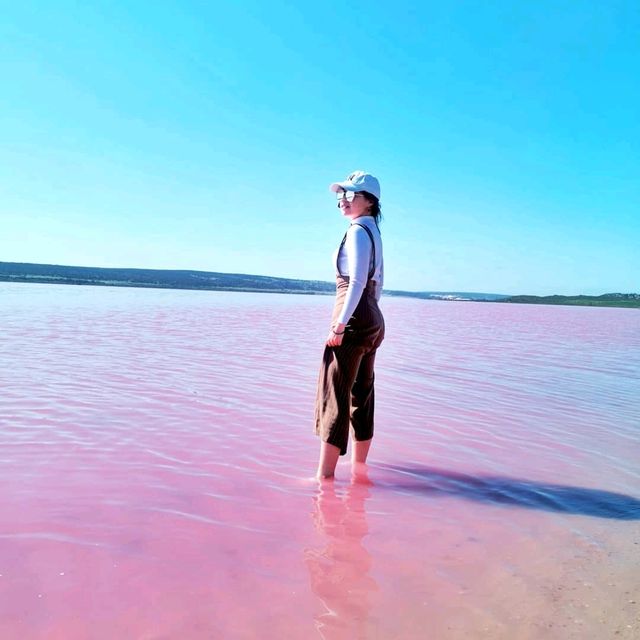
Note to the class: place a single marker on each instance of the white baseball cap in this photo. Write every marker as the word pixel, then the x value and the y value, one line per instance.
pixel 358 181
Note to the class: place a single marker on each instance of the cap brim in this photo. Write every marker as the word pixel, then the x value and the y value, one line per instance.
pixel 344 186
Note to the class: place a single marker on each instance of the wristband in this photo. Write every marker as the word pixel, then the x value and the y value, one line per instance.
pixel 337 333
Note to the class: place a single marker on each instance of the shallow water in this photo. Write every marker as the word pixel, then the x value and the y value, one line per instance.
pixel 157 449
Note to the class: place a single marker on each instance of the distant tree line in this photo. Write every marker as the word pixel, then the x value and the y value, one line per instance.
pixel 214 281
pixel 606 300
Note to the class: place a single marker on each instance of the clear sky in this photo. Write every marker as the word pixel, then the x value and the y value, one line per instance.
pixel 204 135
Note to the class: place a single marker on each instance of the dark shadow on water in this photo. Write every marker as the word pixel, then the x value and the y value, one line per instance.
pixel 516 492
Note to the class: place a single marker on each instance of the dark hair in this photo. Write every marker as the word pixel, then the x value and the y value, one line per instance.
pixel 376 209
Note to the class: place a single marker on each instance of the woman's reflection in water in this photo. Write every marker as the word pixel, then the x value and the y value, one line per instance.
pixel 339 571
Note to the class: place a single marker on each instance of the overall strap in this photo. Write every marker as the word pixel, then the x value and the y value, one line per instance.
pixel 373 245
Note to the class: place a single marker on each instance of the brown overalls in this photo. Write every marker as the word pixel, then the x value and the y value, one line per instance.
pixel 345 395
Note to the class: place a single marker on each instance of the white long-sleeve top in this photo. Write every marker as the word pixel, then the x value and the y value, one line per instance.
pixel 355 260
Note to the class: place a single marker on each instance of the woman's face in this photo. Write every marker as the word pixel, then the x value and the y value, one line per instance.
pixel 359 206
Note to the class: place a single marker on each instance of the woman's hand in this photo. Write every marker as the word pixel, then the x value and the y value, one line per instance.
pixel 334 339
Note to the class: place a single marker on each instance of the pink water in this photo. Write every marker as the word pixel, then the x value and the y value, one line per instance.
pixel 157 449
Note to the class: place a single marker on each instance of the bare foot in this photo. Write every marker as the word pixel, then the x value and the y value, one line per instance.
pixel 360 474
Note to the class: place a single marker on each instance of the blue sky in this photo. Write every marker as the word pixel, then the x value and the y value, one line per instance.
pixel 200 135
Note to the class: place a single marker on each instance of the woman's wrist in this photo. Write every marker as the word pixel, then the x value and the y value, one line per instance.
pixel 338 328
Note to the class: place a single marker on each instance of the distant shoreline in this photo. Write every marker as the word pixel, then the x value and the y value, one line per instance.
pixel 215 281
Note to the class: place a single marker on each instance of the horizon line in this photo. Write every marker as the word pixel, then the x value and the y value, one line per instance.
pixel 285 278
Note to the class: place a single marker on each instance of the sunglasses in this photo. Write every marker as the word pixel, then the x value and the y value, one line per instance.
pixel 349 195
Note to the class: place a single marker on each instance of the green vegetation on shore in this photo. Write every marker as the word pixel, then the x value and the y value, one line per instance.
pixel 198 280
pixel 606 300
pixel 214 281
pixel 156 279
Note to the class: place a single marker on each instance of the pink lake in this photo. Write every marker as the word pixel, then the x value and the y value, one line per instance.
pixel 157 451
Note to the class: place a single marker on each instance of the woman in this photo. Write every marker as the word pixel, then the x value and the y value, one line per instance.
pixel 345 397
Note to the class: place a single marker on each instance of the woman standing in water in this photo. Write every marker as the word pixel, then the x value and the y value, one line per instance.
pixel 345 397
